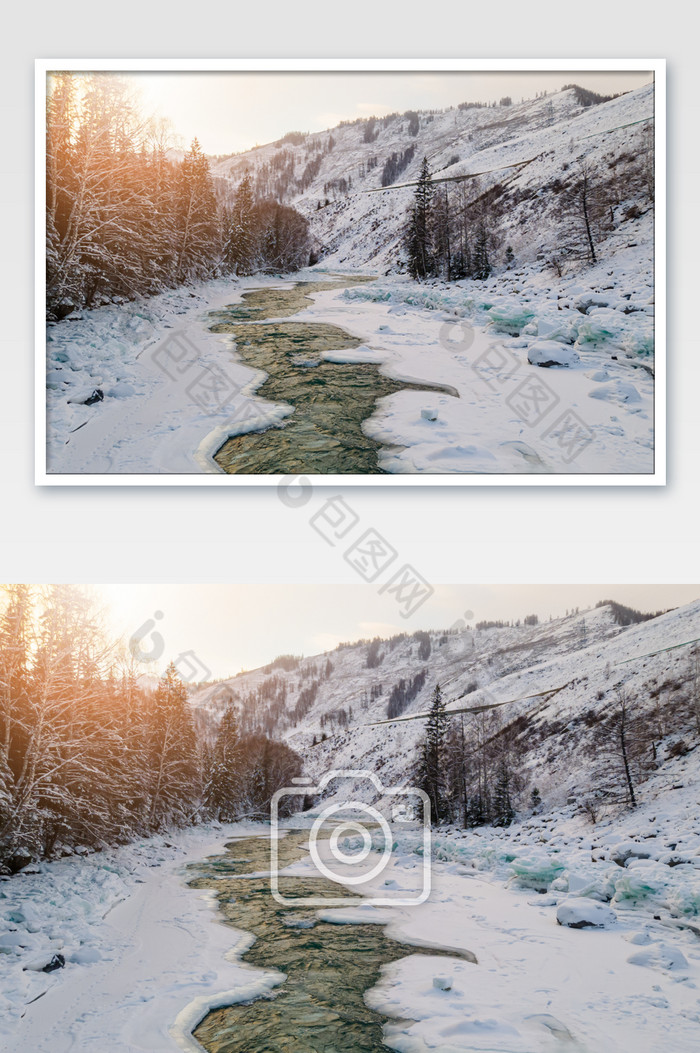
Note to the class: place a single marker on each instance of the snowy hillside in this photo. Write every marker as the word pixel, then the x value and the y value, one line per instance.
pixel 355 229
pixel 325 706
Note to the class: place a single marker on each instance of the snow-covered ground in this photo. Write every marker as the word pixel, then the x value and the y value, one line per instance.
pixel 142 951
pixel 173 391
pixel 593 413
pixel 627 980
pixel 146 956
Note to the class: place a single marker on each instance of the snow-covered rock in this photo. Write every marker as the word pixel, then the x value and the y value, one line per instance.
pixel 585 914
pixel 616 391
pixel 629 850
pixel 551 353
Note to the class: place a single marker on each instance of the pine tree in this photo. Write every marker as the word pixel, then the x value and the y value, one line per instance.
pixel 503 811
pixel 223 785
pixel 482 264
pixel 241 248
pixel 419 233
pixel 432 765
pixel 174 769
pixel 196 217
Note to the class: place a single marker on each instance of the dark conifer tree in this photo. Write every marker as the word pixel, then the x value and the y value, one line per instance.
pixel 419 232
pixel 432 765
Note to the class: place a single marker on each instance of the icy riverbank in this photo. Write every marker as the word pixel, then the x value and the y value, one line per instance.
pixel 625 978
pixel 591 411
pixel 144 954
pixel 173 391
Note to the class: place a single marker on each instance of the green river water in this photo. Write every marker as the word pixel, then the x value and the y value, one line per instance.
pixel 331 400
pixel 320 1007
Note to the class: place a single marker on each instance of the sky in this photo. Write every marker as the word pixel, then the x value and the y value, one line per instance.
pixel 233 111
pixel 226 628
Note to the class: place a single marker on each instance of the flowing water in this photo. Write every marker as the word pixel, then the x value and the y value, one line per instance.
pixel 331 400
pixel 320 1006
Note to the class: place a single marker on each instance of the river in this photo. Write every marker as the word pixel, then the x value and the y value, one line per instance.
pixel 320 1007
pixel 331 400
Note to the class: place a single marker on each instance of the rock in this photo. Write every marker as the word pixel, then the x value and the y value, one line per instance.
pixel 628 850
pixel 616 391
pixel 86 397
pixel 57 962
pixel 547 353
pixel 585 914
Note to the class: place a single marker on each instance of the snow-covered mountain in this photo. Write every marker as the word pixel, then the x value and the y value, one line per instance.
pixel 327 706
pixel 327 175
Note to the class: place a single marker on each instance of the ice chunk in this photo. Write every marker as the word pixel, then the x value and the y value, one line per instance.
pixel 509 316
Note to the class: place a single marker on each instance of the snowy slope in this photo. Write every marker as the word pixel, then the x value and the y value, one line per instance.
pixel 585 656
pixel 361 229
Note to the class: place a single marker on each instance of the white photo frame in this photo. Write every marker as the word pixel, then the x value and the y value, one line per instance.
pixel 214 477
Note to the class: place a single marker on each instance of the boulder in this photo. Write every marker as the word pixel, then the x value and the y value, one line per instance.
pixel 547 353
pixel 582 913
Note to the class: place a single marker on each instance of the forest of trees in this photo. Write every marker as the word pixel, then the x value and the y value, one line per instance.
pixel 89 755
pixel 470 770
pixel 126 217
pixel 450 234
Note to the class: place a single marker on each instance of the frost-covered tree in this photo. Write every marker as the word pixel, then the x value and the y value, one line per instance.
pixel 174 769
pixel 125 218
pixel 241 250
pixel 223 781
pixel 584 210
pixel 197 221
pixel 624 748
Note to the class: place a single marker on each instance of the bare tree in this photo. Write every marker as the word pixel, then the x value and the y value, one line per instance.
pixel 584 212
pixel 625 747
